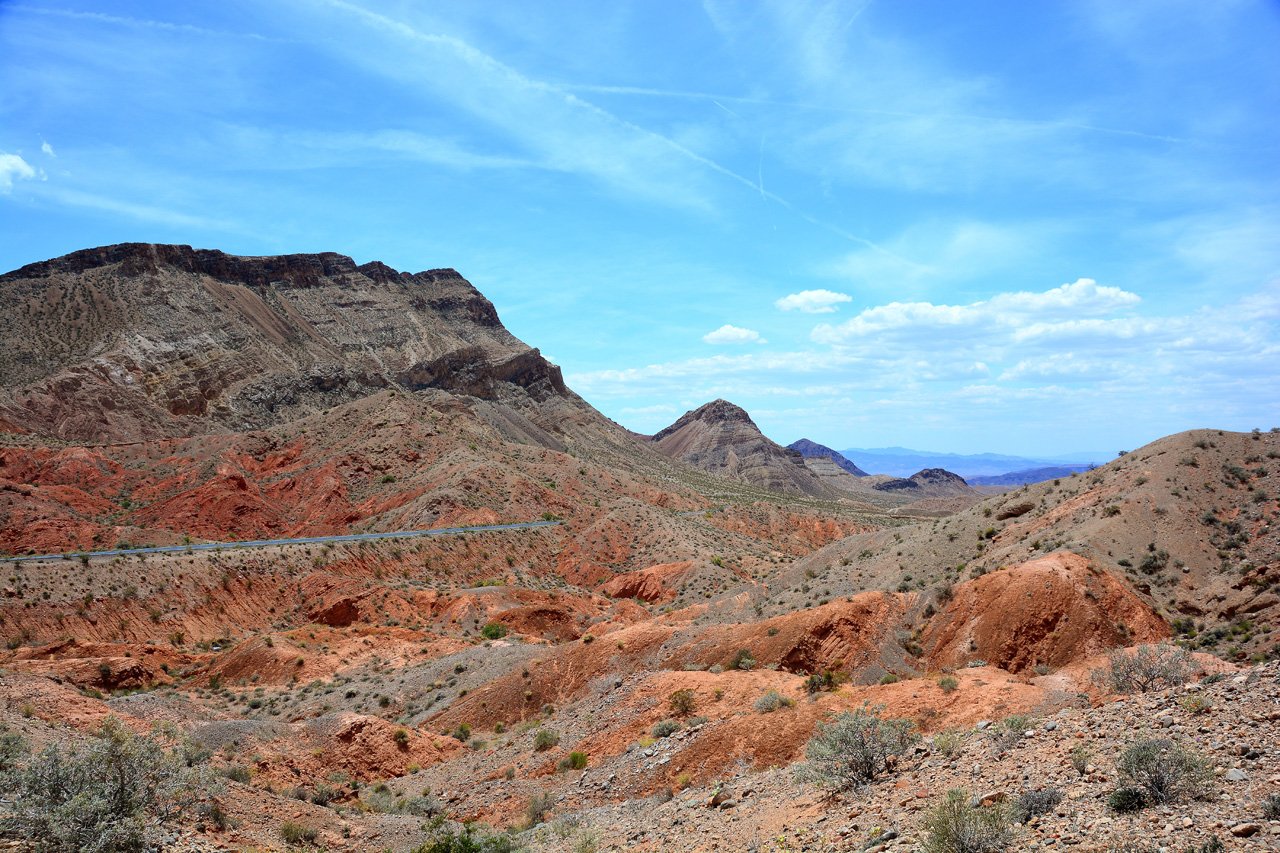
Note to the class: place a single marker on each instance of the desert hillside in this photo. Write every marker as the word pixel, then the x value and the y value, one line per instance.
pixel 651 667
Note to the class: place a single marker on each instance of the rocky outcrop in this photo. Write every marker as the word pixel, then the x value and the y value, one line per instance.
pixel 721 438
pixel 138 341
pixel 929 483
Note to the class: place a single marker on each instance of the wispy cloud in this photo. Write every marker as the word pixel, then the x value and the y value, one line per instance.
pixel 727 334
pixel 14 168
pixel 812 301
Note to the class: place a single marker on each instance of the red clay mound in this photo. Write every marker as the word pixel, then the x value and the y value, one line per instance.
pixel 1053 611
pixel 651 584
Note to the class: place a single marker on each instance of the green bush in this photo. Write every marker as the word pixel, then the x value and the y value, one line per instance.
pixel 1126 799
pixel 296 833
pixel 464 840
pixel 742 659
pixel 666 728
pixel 855 747
pixel 237 773
pixel 890 678
pixel 113 795
pixel 683 701
pixel 544 739
pixel 948 683
pixel 494 631
pixel 538 808
pixel 1164 769
pixel 572 761
pixel 954 826
pixel 771 701
pixel 828 679
pixel 950 742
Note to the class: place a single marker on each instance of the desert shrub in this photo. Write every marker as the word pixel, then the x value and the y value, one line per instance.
pixel 1010 731
pixel 1035 803
pixel 237 773
pixel 743 660
pixel 544 739
pixel 401 737
pixel 1147 668
pixel 494 631
pixel 323 794
pixel 1081 756
pixel 423 806
pixel 948 683
pixel 771 701
pixel 1164 769
pixel 954 826
pixel 296 833
pixel 950 742
pixel 538 808
pixel 1126 799
pixel 111 796
pixel 889 678
pixel 666 728
pixel 828 679
pixel 12 747
pixel 855 747
pixel 1271 807
pixel 1196 703
pixel 572 761
pixel 444 839
pixel 683 701
pixel 462 732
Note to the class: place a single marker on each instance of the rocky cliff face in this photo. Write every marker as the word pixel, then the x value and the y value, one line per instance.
pixel 139 341
pixel 721 438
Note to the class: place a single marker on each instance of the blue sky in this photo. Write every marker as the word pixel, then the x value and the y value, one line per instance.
pixel 1025 228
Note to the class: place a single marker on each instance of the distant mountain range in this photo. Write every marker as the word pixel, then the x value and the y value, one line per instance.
pixel 903 462
pixel 1031 475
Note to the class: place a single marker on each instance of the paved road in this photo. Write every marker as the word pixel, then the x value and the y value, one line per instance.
pixel 352 537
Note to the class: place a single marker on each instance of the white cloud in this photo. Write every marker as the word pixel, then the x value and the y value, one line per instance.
pixel 727 334
pixel 1028 314
pixel 47 148
pixel 13 167
pixel 812 301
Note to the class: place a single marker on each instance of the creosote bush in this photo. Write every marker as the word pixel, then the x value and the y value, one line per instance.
pixel 539 806
pixel 683 702
pixel 544 739
pixel 112 795
pixel 1164 769
pixel 494 631
pixel 1146 668
pixel 953 825
pixel 445 839
pixel 1035 803
pixel 771 701
pixel 296 833
pixel 666 728
pixel 855 747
